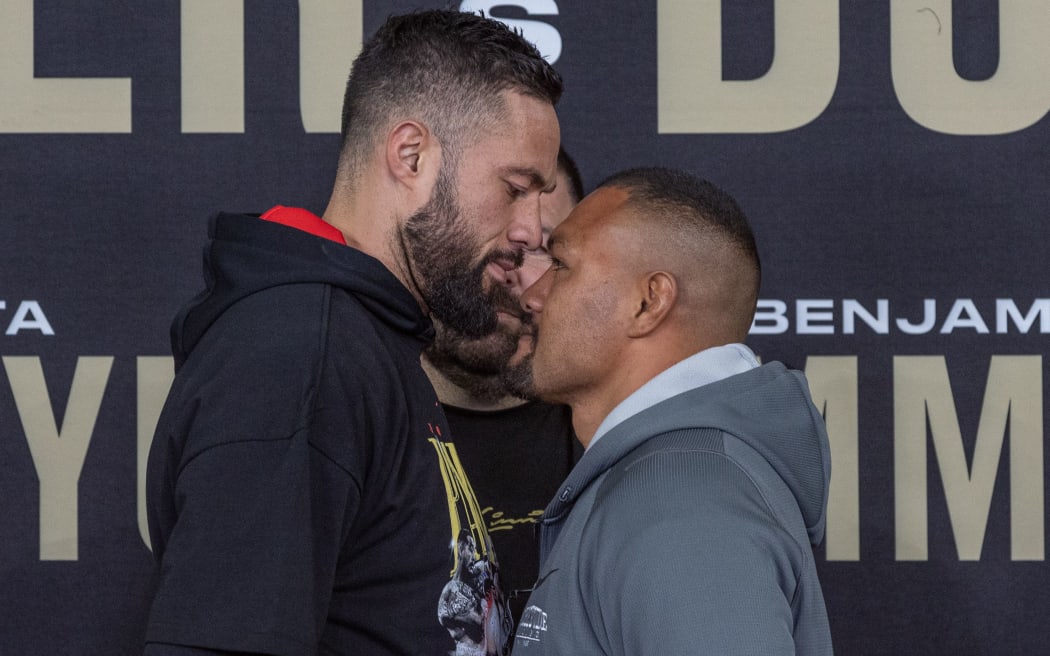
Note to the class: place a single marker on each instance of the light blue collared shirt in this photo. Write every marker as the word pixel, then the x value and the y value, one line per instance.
pixel 703 368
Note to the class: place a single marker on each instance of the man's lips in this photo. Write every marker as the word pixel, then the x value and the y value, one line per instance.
pixel 502 261
pixel 506 315
pixel 499 268
pixel 518 319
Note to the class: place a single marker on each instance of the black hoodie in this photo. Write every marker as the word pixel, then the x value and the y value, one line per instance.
pixel 302 495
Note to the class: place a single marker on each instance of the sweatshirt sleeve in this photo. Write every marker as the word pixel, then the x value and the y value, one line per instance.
pixel 686 558
pixel 159 649
pixel 250 561
pixel 248 508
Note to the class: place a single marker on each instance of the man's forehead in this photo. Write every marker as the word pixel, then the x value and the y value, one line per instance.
pixel 526 140
pixel 599 211
pixel 602 206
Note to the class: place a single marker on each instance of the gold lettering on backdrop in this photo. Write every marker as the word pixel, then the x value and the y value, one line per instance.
pixel 924 412
pixel 213 87
pixel 58 455
pixel 933 94
pixel 155 375
pixel 833 384
pixel 212 51
pixel 212 72
pixel 1013 403
pixel 330 36
pixel 692 97
pixel 30 104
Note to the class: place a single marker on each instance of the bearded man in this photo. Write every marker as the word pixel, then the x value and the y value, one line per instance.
pixel 303 496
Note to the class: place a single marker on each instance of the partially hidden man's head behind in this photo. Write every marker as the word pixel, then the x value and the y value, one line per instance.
pixel 496 368
pixel 446 68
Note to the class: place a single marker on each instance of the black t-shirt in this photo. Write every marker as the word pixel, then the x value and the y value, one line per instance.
pixel 516 459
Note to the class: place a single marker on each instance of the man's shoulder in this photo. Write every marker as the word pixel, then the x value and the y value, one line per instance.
pixel 295 317
pixel 672 467
pixel 272 348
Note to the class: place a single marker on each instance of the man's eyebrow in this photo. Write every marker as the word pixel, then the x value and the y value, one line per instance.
pixel 552 241
pixel 536 179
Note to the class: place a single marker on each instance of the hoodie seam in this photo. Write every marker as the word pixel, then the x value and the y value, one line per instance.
pixel 322 357
pixel 806 557
pixel 312 395
pixel 720 454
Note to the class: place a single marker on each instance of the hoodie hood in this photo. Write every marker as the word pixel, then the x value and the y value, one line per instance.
pixel 768 408
pixel 246 254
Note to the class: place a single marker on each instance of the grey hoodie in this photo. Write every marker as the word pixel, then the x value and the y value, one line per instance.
pixel 686 529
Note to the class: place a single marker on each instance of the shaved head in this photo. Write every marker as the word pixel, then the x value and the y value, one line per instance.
pixel 650 268
pixel 697 232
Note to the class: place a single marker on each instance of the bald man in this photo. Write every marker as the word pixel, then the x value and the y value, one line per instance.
pixel 686 527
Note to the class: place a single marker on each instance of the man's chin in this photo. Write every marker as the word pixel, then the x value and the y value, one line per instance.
pixel 467 303
pixel 523 352
pixel 486 354
pixel 516 378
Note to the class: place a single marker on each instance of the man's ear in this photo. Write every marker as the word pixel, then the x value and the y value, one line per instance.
pixel 658 294
pixel 413 156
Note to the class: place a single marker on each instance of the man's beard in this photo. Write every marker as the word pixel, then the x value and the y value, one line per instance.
pixel 481 366
pixel 442 249
pixel 516 379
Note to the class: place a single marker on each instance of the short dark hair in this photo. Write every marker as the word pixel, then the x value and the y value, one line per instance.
pixel 567 165
pixel 690 202
pixel 444 67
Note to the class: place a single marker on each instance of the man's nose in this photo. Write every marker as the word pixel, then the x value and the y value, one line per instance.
pixel 525 228
pixel 535 296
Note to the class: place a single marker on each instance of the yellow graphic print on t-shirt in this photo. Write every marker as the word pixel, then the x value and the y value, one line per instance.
pixel 472 606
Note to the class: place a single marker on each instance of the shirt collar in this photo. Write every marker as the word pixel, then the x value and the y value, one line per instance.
pixel 703 368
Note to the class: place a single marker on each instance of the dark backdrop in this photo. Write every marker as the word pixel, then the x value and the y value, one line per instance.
pixel 893 158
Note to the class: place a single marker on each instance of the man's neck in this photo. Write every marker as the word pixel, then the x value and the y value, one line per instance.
pixel 449 393
pixel 585 422
pixel 677 370
pixel 375 232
